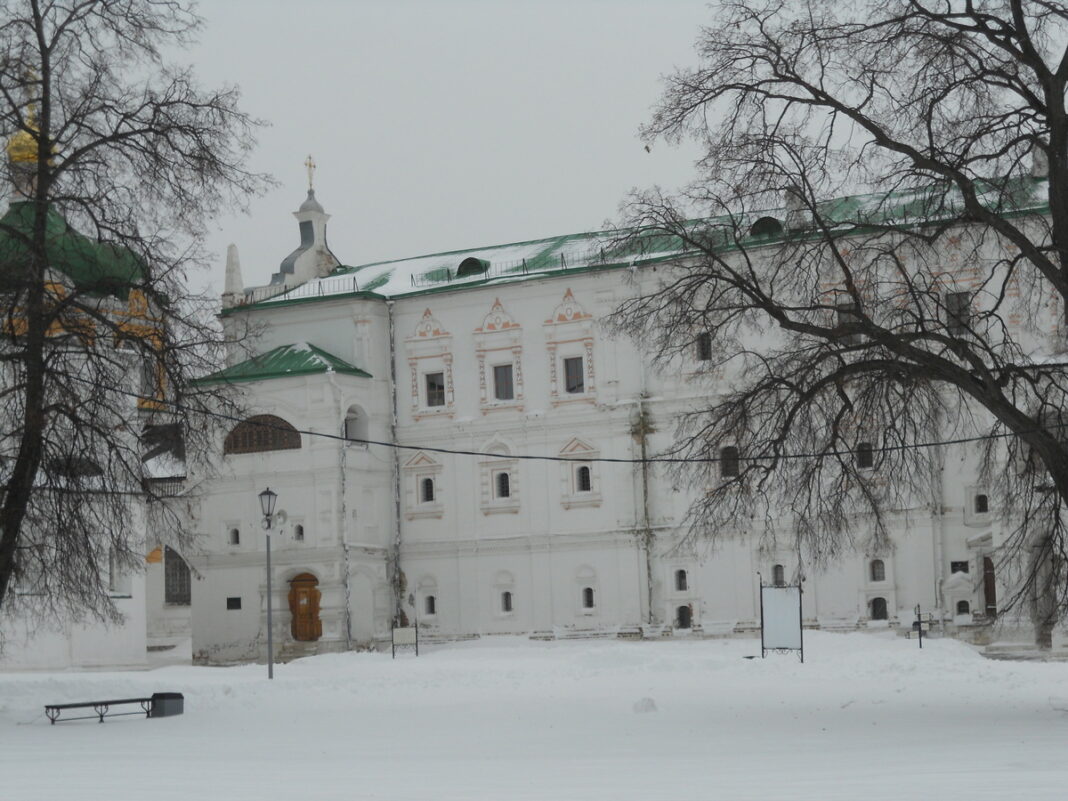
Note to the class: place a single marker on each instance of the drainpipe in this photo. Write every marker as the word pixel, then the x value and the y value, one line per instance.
pixel 342 454
pixel 938 522
pixel 393 570
pixel 646 529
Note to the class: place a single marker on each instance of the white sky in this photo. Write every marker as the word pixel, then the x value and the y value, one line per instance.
pixel 443 125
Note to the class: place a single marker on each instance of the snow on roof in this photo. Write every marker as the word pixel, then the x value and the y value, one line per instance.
pixel 300 358
pixel 520 260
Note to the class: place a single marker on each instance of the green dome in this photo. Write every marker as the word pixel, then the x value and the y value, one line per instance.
pixel 94 267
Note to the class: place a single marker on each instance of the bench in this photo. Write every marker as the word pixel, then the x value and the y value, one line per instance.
pixel 157 705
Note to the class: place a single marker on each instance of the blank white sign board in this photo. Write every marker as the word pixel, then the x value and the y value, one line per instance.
pixel 782 617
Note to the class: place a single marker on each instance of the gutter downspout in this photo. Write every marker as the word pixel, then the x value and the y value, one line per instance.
pixel 342 455
pixel 393 571
pixel 938 524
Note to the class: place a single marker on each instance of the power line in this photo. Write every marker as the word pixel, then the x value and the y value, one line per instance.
pixel 536 457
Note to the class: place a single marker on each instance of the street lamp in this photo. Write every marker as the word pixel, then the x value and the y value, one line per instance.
pixel 267 501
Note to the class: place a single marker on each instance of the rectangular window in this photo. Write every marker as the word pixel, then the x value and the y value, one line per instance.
pixel 435 389
pixel 574 380
pixel 233 603
pixel 958 567
pixel 958 312
pixel 704 347
pixel 176 578
pixel 502 382
pixel 848 316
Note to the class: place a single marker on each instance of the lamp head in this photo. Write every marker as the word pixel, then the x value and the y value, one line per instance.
pixel 267 501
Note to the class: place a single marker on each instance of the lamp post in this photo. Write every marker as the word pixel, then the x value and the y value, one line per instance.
pixel 267 501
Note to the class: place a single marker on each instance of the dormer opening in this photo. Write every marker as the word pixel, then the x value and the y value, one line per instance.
pixel 766 227
pixel 472 266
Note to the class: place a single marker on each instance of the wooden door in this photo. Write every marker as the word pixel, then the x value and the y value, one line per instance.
pixel 990 592
pixel 304 598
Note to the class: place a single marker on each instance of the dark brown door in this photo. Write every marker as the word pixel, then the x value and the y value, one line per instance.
pixel 990 592
pixel 304 598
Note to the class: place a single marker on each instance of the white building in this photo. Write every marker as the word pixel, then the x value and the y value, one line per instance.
pixel 498 352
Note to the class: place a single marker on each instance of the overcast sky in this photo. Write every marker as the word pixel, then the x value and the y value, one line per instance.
pixel 443 124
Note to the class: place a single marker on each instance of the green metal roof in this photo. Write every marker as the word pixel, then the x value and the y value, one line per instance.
pixel 95 267
pixel 905 207
pixel 283 362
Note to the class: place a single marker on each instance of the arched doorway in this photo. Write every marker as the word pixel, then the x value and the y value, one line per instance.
pixel 683 617
pixel 304 598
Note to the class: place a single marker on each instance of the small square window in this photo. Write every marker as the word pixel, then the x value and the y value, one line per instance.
pixel 503 388
pixel 574 379
pixel 958 567
pixel 435 389
pixel 233 603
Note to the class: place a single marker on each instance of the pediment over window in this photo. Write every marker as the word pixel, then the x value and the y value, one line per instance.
pixel 497 320
pixel 568 311
pixel 428 327
pixel 578 448
pixel 420 460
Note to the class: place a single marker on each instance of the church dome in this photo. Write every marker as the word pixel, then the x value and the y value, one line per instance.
pixel 311 204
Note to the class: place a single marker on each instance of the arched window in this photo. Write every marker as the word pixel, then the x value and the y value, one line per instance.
pixel 261 433
pixel 176 584
pixel 681 583
pixel 298 533
pixel 506 601
pixel 587 598
pixel 865 455
pixel 582 479
pixel 356 425
pixel 235 536
pixel 963 608
pixel 878 570
pixel 728 462
pixel 504 485
pixel 430 605
pixel 778 576
pixel 878 609
pixel 982 504
pixel 683 617
pixel 427 490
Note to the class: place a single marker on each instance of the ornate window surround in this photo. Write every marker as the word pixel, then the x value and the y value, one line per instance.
pixel 430 351
pixel 488 470
pixel 499 341
pixel 419 467
pixel 569 333
pixel 577 452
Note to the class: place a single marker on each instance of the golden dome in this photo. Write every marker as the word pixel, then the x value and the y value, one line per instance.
pixel 22 148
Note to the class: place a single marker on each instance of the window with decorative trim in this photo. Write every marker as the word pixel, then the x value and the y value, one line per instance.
pixel 579 481
pixel 422 487
pixel 499 492
pixel 429 350
pixel 435 389
pixel 865 456
pixel 569 336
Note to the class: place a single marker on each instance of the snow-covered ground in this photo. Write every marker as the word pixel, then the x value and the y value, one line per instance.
pixel 866 717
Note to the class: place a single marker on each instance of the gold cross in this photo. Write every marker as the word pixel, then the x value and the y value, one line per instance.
pixel 310 164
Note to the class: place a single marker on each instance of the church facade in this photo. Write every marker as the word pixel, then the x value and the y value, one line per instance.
pixel 471 362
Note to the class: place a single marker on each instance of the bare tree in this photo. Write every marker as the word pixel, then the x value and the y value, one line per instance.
pixel 908 287
pixel 116 161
